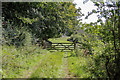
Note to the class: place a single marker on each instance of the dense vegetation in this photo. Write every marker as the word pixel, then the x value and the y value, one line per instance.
pixel 105 43
pixel 27 25
pixel 41 20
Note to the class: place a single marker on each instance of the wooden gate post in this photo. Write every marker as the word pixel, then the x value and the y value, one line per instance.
pixel 74 45
pixel 76 51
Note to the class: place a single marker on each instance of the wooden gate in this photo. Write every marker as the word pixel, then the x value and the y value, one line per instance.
pixel 62 47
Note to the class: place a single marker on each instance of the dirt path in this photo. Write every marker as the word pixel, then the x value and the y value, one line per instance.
pixel 66 66
pixel 65 69
pixel 35 68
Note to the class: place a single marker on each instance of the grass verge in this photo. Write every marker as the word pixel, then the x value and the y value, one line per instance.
pixel 79 66
pixel 17 62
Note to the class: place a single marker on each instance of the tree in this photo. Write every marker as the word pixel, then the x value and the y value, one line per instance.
pixel 43 20
pixel 109 32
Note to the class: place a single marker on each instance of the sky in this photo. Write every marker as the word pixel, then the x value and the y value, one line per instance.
pixel 85 8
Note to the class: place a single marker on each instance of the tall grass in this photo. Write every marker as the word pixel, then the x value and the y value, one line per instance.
pixel 51 67
pixel 16 62
pixel 79 66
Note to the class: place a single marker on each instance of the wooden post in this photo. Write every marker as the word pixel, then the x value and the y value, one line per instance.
pixel 74 45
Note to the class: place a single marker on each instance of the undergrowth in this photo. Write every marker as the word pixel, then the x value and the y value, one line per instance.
pixel 17 62
pixel 79 66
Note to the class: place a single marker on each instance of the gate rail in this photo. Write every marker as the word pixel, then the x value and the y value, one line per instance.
pixel 63 47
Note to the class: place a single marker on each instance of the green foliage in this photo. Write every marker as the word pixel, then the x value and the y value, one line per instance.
pixel 13 35
pixel 28 38
pixel 16 61
pixel 44 20
pixel 79 67
pixel 103 41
